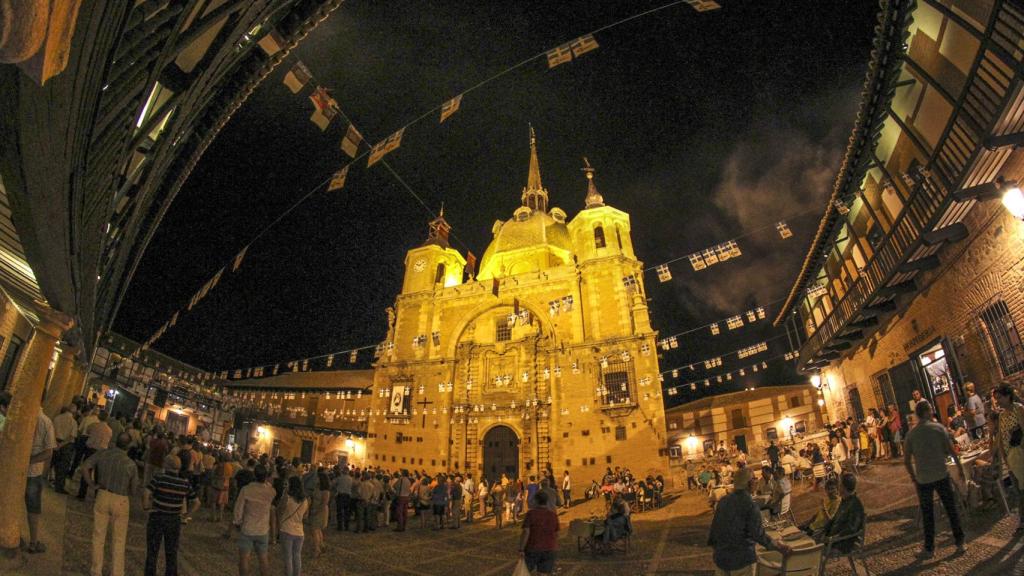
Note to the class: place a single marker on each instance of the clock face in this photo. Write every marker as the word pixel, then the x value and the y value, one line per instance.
pixel 419 265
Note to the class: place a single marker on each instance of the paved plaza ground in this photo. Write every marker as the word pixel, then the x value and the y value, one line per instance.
pixel 667 541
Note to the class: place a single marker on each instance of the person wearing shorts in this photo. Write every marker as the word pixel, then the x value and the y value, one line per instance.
pixel 539 539
pixel 252 518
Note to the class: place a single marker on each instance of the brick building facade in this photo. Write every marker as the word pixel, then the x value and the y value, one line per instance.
pixel 915 278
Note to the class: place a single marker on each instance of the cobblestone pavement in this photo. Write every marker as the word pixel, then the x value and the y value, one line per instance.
pixel 667 541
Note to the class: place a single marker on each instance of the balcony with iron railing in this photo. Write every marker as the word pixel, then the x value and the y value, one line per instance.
pixel 990 104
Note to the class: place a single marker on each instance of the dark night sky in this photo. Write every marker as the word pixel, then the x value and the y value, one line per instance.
pixel 701 127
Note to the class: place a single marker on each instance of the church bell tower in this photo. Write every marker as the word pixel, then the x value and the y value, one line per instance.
pixel 434 264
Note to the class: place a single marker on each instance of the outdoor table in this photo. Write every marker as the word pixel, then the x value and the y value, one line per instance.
pixel 789 534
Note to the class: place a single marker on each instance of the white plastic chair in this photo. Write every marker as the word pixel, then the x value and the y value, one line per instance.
pixel 785 509
pixel 801 562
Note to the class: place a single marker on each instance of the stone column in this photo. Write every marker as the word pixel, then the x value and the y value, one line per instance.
pixel 60 381
pixel 76 381
pixel 16 438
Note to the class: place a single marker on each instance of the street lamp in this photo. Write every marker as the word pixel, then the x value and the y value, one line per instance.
pixel 1013 201
pixel 816 380
pixel 787 424
pixel 1006 190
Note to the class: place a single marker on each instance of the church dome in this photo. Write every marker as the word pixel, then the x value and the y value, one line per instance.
pixel 526 230
pixel 534 238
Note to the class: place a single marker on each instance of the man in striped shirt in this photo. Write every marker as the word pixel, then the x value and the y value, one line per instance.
pixel 168 497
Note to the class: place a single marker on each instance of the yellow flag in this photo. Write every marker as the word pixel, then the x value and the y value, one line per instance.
pixel 450 107
pixel 350 143
pixel 583 44
pixel 297 77
pixel 559 55
pixel 338 180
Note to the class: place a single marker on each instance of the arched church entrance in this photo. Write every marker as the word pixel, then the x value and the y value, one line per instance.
pixel 501 453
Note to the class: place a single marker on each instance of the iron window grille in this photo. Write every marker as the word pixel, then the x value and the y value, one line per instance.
pixel 1004 337
pixel 617 382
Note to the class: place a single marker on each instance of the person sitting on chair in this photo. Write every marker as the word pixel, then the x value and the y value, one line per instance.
pixel 617 525
pixel 826 511
pixel 849 518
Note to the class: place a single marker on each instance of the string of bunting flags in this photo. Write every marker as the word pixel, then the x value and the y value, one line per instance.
pixel 728 376
pixel 716 361
pixel 735 322
pixel 326 109
pixel 724 251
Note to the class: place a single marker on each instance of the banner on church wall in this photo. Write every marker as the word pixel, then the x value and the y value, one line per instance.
pixel 397 399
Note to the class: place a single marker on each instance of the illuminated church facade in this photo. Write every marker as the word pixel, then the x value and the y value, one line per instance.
pixel 545 359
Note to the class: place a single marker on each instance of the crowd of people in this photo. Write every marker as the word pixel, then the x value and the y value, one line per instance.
pixel 929 447
pixel 261 501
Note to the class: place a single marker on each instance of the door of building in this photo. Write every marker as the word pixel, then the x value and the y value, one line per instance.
pixel 177 423
pixel 307 452
pixel 501 453
pixel 904 380
pixel 741 443
pixel 941 379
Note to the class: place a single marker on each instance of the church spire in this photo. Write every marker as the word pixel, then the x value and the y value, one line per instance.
pixel 594 198
pixel 534 195
pixel 533 182
pixel 438 232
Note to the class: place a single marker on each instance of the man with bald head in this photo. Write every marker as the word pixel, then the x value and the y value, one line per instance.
pixel 114 477
pixel 167 498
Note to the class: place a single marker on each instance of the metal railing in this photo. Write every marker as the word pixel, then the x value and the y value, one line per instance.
pixel 954 161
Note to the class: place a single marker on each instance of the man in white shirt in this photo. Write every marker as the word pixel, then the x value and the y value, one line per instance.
pixel 43 443
pixel 468 497
pixel 65 430
pixel 98 438
pixel 566 489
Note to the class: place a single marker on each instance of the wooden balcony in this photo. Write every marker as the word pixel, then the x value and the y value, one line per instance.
pixel 991 104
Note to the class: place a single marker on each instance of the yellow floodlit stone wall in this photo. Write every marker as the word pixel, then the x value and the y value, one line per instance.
pixel 578 385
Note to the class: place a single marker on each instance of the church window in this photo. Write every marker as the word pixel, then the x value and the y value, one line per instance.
pixel 585 432
pixel 605 429
pixel 618 237
pixel 599 237
pixel 608 459
pixel 618 381
pixel 565 434
pixel 502 330
pixel 593 461
pixel 568 462
pixel 620 433
pixel 439 276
